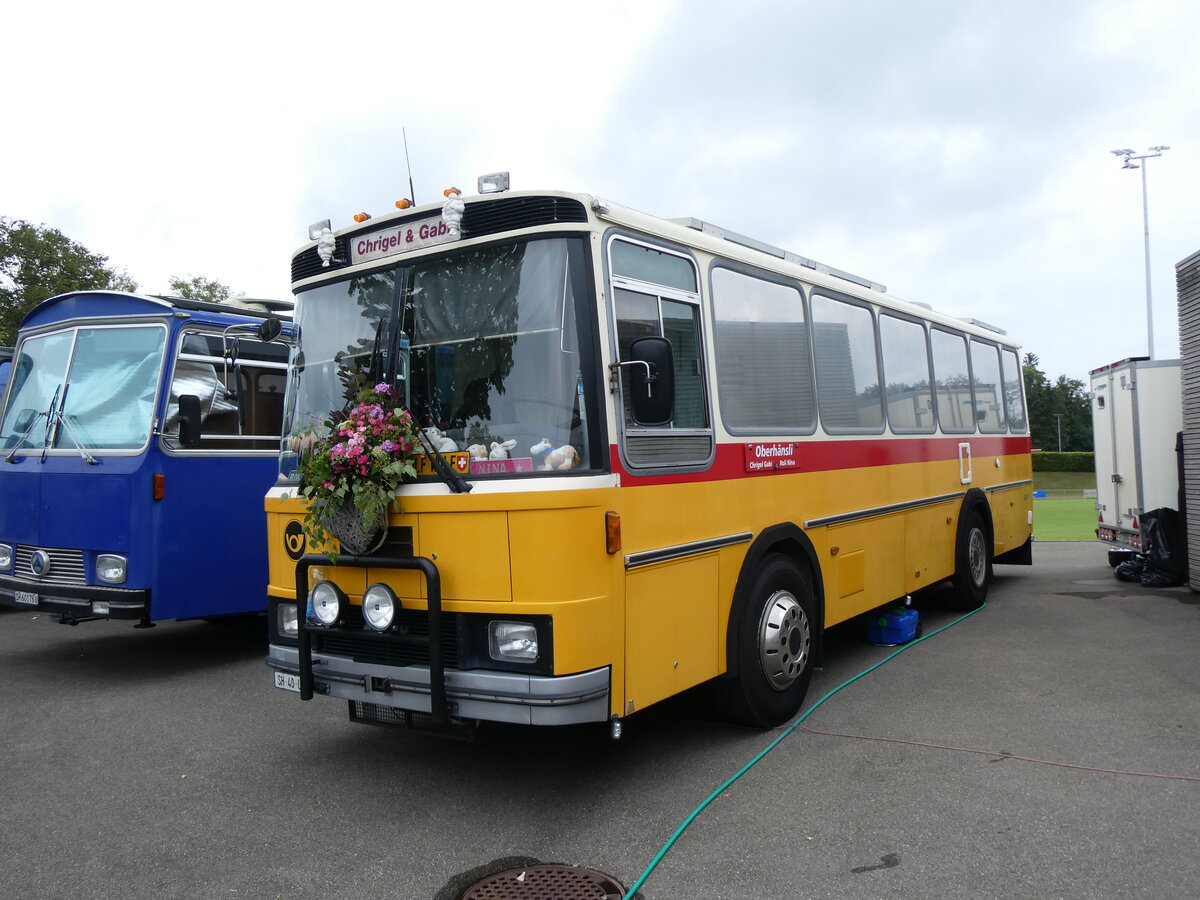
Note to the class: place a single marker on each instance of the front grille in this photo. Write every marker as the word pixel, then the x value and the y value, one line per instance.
pixel 354 640
pixel 481 217
pixel 66 566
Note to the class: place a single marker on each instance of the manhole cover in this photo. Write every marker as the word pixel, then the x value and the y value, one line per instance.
pixel 545 883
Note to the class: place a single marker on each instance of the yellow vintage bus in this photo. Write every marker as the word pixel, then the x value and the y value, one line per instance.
pixel 670 455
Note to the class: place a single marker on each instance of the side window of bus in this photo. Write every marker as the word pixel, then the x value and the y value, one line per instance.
pixel 656 293
pixel 985 379
pixel 241 402
pixel 952 378
pixel 847 366
pixel 907 374
pixel 1014 395
pixel 764 373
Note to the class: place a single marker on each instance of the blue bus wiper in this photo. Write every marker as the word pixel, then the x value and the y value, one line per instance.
pixel 55 419
pixel 28 431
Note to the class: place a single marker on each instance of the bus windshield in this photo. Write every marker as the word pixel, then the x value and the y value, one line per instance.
pixel 94 386
pixel 484 345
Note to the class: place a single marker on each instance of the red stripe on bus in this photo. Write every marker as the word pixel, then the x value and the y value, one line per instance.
pixel 829 456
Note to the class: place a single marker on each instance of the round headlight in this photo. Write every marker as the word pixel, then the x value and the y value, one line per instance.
pixel 379 607
pixel 326 602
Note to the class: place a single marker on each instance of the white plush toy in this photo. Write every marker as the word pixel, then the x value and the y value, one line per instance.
pixel 500 451
pixel 540 449
pixel 440 441
pixel 566 457
pixel 478 451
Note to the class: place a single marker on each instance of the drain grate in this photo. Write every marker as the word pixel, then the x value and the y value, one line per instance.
pixel 545 883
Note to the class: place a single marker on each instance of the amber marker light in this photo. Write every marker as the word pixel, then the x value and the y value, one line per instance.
pixel 451 190
pixel 612 532
pixel 403 204
pixel 361 217
pixel 159 485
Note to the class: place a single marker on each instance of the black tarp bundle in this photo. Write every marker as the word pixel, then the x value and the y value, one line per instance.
pixel 1163 562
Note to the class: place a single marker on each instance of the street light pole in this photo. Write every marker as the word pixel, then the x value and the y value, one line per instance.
pixel 1059 417
pixel 1130 163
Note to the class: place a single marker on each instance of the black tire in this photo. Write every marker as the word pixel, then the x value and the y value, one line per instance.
pixel 775 644
pixel 972 563
pixel 1116 557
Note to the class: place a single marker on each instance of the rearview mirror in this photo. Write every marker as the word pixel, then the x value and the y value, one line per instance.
pixel 269 329
pixel 651 381
pixel 189 421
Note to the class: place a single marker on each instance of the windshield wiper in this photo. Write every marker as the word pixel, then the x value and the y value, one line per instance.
pixel 55 419
pixel 28 431
pixel 445 471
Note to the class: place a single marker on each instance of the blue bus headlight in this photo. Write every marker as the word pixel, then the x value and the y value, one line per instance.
pixel 6 556
pixel 513 641
pixel 326 602
pixel 379 607
pixel 111 568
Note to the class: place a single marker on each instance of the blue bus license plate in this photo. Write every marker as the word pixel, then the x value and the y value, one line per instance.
pixel 25 598
pixel 287 681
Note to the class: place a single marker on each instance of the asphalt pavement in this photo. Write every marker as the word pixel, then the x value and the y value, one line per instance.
pixel 1046 746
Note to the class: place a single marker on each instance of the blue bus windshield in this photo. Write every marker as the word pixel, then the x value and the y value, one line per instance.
pixel 97 385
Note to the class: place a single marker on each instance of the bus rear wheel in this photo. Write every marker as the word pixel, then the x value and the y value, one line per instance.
pixel 972 564
pixel 774 648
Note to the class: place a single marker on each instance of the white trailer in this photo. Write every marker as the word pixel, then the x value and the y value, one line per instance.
pixel 1137 414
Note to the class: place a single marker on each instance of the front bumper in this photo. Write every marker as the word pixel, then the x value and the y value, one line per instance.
pixel 479 695
pixel 73 601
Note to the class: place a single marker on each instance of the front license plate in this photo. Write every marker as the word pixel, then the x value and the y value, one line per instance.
pixel 25 598
pixel 287 681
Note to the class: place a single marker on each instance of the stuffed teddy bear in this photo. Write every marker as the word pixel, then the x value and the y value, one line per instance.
pixel 566 457
pixel 478 451
pixel 441 442
pixel 500 451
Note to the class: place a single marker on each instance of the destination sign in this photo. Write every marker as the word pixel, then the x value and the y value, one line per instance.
pixel 400 239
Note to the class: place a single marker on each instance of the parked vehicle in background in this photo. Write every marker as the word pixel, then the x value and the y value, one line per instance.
pixel 1137 416
pixel 111 510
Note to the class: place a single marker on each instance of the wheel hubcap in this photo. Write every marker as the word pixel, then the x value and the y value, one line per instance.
pixel 784 640
pixel 977 557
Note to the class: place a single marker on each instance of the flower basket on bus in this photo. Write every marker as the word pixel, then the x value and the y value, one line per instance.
pixel 350 474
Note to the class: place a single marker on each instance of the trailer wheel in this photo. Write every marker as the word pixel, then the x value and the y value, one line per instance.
pixel 1116 557
pixel 972 564
pixel 775 647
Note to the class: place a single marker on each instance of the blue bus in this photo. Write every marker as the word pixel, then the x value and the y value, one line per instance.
pixel 138 435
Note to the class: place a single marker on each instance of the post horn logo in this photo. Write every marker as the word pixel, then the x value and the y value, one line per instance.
pixel 293 539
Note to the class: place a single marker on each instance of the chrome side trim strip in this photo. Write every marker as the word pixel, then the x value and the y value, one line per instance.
pixel 842 518
pixel 1011 484
pixel 646 557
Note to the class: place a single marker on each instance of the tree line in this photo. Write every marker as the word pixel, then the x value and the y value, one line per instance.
pixel 38 262
pixel 1060 411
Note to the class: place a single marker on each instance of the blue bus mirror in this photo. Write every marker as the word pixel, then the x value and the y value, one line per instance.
pixel 189 420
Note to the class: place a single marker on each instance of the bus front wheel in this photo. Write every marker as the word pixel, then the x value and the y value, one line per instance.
pixel 774 648
pixel 972 564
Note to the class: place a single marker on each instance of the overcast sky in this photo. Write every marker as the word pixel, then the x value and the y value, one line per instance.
pixel 955 151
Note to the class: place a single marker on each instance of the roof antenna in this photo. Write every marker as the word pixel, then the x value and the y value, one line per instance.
pixel 412 194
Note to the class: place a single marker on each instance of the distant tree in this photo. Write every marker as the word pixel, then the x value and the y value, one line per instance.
pixel 200 288
pixel 1058 407
pixel 37 263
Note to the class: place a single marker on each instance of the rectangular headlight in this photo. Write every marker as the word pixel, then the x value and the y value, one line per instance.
pixel 100 608
pixel 286 621
pixel 111 568
pixel 6 556
pixel 513 641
